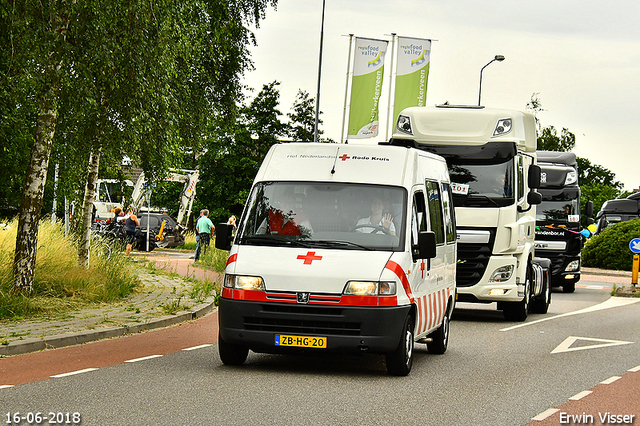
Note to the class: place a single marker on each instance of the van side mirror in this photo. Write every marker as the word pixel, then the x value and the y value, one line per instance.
pixel 224 236
pixel 534 176
pixel 427 244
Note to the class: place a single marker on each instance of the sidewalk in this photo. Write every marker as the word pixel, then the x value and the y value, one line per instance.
pixel 149 308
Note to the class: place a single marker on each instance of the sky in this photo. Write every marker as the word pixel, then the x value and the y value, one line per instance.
pixel 581 58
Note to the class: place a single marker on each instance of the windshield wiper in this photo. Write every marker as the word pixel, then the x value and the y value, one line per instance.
pixel 273 240
pixel 333 243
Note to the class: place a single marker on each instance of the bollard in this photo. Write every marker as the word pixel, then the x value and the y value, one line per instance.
pixel 634 270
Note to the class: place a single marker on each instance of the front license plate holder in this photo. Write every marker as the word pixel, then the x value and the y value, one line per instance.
pixel 313 342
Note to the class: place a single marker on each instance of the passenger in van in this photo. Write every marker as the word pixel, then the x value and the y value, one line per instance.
pixel 285 221
pixel 380 219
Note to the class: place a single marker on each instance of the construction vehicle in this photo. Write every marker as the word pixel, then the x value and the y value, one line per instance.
pixel 109 195
pixel 559 217
pixel 166 232
pixel 491 157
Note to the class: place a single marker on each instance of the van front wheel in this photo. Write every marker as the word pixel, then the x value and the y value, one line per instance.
pixel 231 354
pixel 399 361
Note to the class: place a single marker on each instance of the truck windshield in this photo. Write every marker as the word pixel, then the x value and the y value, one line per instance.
pixel 325 215
pixel 562 208
pixel 483 185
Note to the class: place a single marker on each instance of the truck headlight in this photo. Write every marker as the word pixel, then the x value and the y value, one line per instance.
pixel 572 266
pixel 404 124
pixel 501 274
pixel 244 282
pixel 503 126
pixel 370 288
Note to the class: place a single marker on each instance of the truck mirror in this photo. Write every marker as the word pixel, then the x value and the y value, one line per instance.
pixel 534 176
pixel 224 236
pixel 427 244
pixel 589 209
pixel 534 197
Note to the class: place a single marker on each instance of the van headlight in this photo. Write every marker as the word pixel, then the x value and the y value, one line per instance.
pixel 501 274
pixel 244 282
pixel 370 288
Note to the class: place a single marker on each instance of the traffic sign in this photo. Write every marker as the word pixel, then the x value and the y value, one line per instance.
pixel 634 245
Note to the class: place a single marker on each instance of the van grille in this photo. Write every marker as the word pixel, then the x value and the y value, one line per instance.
pixel 302 320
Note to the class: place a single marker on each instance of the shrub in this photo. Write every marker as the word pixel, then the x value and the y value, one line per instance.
pixel 610 249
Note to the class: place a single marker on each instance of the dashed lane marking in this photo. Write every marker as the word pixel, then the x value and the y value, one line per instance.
pixel 580 395
pixel 73 373
pixel 144 358
pixel 610 380
pixel 198 347
pixel 540 417
pixel 634 369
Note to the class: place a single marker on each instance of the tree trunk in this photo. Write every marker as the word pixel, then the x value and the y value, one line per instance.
pixel 87 208
pixel 27 234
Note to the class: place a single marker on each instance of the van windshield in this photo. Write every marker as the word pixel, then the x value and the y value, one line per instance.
pixel 325 215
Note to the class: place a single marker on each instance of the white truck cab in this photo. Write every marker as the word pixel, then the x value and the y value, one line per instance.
pixel 341 248
pixel 491 155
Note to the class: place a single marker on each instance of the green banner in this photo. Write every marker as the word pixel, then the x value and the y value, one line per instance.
pixel 412 74
pixel 366 87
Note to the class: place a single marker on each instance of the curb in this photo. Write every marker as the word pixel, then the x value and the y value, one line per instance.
pixel 75 338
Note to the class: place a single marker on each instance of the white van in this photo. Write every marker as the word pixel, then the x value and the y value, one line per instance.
pixel 341 248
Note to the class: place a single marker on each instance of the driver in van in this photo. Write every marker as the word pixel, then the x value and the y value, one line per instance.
pixel 381 222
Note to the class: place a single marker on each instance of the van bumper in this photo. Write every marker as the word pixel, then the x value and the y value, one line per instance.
pixel 347 329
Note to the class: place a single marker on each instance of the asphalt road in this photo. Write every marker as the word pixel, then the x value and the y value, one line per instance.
pixel 494 373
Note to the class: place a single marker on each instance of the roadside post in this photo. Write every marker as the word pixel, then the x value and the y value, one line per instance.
pixel 634 246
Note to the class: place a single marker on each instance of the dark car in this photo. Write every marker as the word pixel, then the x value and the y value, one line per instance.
pixel 171 235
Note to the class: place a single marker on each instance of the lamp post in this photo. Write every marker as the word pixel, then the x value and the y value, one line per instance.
pixel 315 126
pixel 498 58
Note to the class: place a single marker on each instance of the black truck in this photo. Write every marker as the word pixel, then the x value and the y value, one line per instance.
pixel 618 210
pixel 558 217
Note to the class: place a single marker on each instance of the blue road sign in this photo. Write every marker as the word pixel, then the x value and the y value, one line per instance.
pixel 634 245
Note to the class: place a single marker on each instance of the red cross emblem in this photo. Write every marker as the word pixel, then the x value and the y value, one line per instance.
pixel 309 257
pixel 344 157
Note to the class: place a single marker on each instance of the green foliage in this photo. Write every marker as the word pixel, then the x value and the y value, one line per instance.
pixel 60 284
pixel 549 140
pixel 303 118
pixel 610 248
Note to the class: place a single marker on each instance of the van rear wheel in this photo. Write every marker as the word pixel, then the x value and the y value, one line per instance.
pixel 231 354
pixel 440 337
pixel 399 361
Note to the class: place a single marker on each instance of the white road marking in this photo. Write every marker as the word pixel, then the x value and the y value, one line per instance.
pixel 565 346
pixel 634 369
pixel 540 417
pixel 144 358
pixel 580 395
pixel 610 380
pixel 5 386
pixel 613 302
pixel 198 347
pixel 72 373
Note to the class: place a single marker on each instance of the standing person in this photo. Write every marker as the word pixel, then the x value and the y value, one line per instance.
pixel 130 223
pixel 197 233
pixel 205 229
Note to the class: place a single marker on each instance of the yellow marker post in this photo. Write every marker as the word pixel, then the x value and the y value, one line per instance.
pixel 634 269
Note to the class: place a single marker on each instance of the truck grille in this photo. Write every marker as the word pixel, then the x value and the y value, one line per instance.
pixel 473 260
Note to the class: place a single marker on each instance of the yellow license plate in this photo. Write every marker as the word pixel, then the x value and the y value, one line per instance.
pixel 301 341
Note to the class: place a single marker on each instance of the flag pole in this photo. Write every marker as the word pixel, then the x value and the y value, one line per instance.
pixel 391 91
pixel 346 89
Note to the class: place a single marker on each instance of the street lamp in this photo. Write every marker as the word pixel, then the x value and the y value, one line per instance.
pixel 498 58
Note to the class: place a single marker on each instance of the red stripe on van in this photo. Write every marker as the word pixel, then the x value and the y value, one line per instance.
pixel 232 259
pixel 397 269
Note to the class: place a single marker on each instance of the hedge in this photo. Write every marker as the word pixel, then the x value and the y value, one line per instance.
pixel 610 248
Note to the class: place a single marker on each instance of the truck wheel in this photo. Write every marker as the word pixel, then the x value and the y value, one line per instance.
pixel 569 287
pixel 440 337
pixel 231 354
pixel 518 311
pixel 540 304
pixel 400 360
